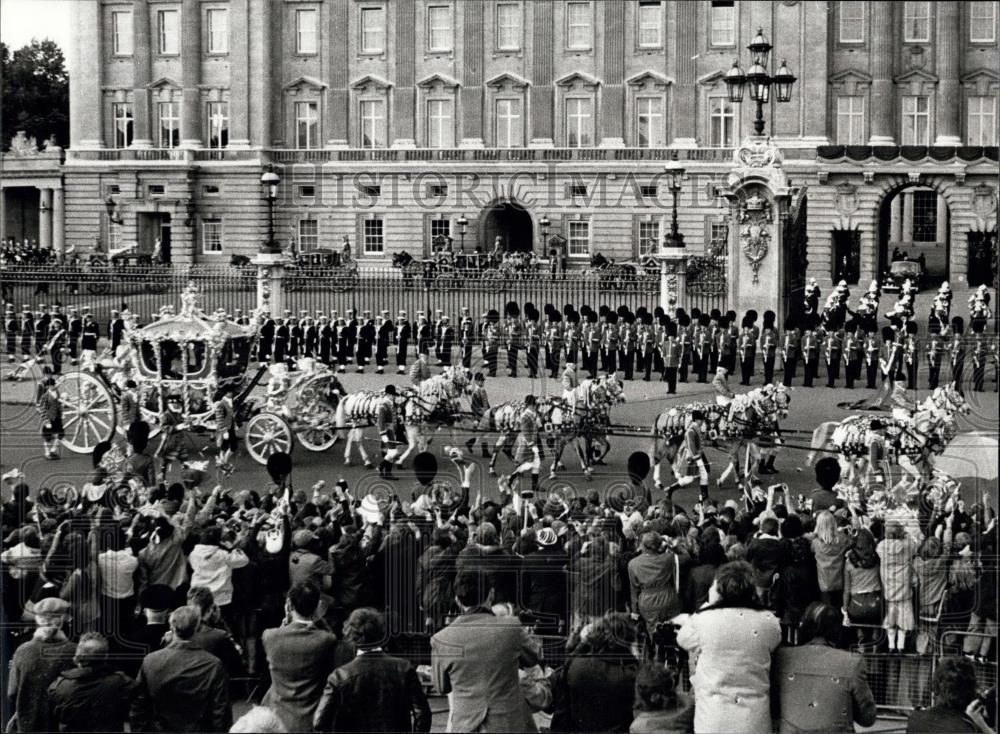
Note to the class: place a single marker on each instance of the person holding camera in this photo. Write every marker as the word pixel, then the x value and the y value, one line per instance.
pixel 655 578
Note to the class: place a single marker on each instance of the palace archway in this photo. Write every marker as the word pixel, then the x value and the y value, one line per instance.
pixel 509 220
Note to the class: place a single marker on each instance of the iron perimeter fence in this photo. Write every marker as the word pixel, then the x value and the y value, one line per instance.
pixel 144 290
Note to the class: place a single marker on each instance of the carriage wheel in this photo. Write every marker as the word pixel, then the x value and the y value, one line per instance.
pixel 88 411
pixel 317 439
pixel 267 434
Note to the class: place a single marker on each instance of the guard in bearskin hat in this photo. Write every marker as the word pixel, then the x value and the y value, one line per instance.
pixel 553 343
pixel 513 336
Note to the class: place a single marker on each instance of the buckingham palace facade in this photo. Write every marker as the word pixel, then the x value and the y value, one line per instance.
pixel 391 121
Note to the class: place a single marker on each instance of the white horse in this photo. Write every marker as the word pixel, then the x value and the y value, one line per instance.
pixel 432 405
pixel 355 412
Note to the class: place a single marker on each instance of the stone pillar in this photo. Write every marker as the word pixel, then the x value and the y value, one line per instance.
pixel 239 74
pixel 58 221
pixel 896 219
pixel 907 217
pixel 142 50
pixel 263 28
pixel 340 98
pixel 947 50
pixel 941 236
pixel 684 93
pixel 45 219
pixel 883 101
pixel 404 92
pixel 543 97
pixel 270 282
pixel 191 74
pixel 613 103
pixel 673 277
pixel 473 12
pixel 86 97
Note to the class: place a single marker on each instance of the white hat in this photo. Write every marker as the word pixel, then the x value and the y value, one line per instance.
pixel 369 510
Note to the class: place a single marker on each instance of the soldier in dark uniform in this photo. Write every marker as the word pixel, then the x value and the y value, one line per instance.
pixel 56 345
pixel 627 343
pixel 386 420
pixel 352 338
pixel 446 338
pixel 297 336
pixel 310 335
pixel 714 342
pixel 702 345
pixel 871 349
pixel 733 332
pixel 670 353
pixel 724 355
pixel 366 341
pixel 810 350
pixel 853 354
pixel 747 350
pixel 833 352
pixel 532 339
pixel 73 330
pixel 769 339
pixel 646 343
pixel 512 336
pixel 685 334
pixel 479 403
pixel 90 335
pixel 571 334
pixel 466 337
pixel 425 334
pixel 403 334
pixel 590 343
pixel 935 347
pixel 326 340
pixel 610 342
pixel 116 331
pixel 383 338
pixel 491 341
pixel 911 358
pixel 266 343
pixel 281 336
pixel 956 350
pixel 10 324
pixel 980 353
pixel 790 345
pixel 554 343
pixel 42 319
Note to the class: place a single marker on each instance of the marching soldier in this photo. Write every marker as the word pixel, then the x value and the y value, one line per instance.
pixel 403 334
pixel 768 346
pixel 366 341
pixel 310 335
pixel 591 344
pixel 791 343
pixel 702 344
pixel 935 348
pixel 383 339
pixel 446 338
pixel 872 348
pixel 340 334
pixel 116 330
pixel 512 336
pixel 90 334
pixel 979 354
pixel 714 340
pixel 10 324
pixel 425 335
pixel 281 336
pixel 685 334
pixel 733 337
pixel 297 335
pixel 73 331
pixel 42 327
pixel 266 342
pixel 853 354
pixel 26 329
pixel 466 337
pixel 833 352
pixel 627 344
pixel 610 341
pixel 670 353
pixel 646 346
pixel 572 336
pixel 810 355
pixel 912 355
pixel 326 340
pixel 957 350
pixel 554 344
pixel 747 346
pixel 532 340
pixel 491 341
pixel 352 336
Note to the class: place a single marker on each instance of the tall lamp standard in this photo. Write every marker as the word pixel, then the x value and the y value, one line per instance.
pixel 270 180
pixel 674 238
pixel 544 223
pixel 463 227
pixel 759 80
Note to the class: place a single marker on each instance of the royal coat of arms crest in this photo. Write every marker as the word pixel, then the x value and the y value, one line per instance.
pixel 755 235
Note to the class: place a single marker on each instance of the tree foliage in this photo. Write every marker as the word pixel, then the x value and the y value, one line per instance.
pixel 35 94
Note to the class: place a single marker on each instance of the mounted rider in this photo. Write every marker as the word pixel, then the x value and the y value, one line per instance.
pixel 386 419
pixel 570 382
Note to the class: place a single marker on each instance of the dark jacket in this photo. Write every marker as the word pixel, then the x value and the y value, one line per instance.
pixel 91 699
pixel 374 692
pixel 798 584
pixel 436 581
pixel 695 590
pixel 596 585
pixel 545 581
pixel 938 719
pixel 766 555
pixel 181 688
pixel 678 720
pixel 496 561
pixel 36 664
pixel 219 643
pixel 595 693
pixel 349 575
pixel 300 657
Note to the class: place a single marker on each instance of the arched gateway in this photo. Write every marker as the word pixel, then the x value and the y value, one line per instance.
pixel 508 219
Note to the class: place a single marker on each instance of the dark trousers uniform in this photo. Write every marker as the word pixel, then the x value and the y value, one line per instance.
pixel 571 354
pixel 713 360
pixel 912 370
pixel 769 367
pixel 490 354
pixel 467 354
pixel 280 348
pixel 978 375
pixel 628 362
pixel 552 360
pixel 790 366
pixel 381 352
pixel 11 341
pixel 871 374
pixel 590 361
pixel 670 377
pixel 833 370
pixel 811 368
pixel 746 365
pixel 685 363
pixel 532 354
pixel 958 370
pixel 644 362
pixel 933 375
pixel 701 366
pixel 610 360
pixel 401 348
pixel 852 370
pixel 512 360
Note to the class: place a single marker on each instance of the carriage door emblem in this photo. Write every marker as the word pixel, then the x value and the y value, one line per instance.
pixel 754 235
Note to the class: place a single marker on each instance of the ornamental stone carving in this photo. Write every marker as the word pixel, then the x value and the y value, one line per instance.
pixel 755 235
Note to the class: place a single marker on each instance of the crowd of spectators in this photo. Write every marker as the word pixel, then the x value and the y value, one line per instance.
pixel 151 605
pixel 25 252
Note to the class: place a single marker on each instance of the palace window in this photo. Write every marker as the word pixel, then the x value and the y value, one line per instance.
pixel 579 26
pixel 439 32
pixel 649 238
pixel 916 121
pixel 925 216
pixel 218 124
pixel 372 123
pixel 579 122
pixel 983 21
pixel 308 234
pixel 211 236
pixel 218 30
pixel 510 131
pixel 170 124
pixel 851 120
pixel 167 31
pixel 579 239
pixel 121 32
pixel 440 228
pixel 124 124
pixel 372 30
pixel 508 27
pixel 852 21
pixel 723 23
pixel 373 239
pixel 306 37
pixel 917 22
pixel 650 24
pixel 440 123
pixel 649 122
pixel 722 119
pixel 982 121
pixel 307 125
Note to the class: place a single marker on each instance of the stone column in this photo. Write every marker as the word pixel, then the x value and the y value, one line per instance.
pixel 907 217
pixel 542 117
pixel 404 92
pixel 270 282
pixel 142 50
pixel 673 277
pixel 473 12
pixel 45 219
pixel 612 113
pixel 264 26
pixel 947 51
pixel 191 74
pixel 340 97
pixel 239 74
pixel 941 236
pixel 883 101
pixel 58 221
pixel 86 98
pixel 896 219
pixel 683 95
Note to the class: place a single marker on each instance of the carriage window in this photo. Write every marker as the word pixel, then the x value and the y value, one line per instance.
pixel 233 357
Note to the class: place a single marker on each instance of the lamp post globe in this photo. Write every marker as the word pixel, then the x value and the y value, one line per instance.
pixel 270 180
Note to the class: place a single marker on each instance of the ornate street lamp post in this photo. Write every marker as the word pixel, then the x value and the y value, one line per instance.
pixel 674 238
pixel 270 180
pixel 463 227
pixel 759 80
pixel 544 223
pixel 113 215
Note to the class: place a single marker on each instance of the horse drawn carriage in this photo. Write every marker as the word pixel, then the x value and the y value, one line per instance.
pixel 642 275
pixel 189 355
pixel 323 268
pixel 126 267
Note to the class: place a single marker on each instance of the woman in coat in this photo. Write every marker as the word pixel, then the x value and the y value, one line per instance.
pixel 730 642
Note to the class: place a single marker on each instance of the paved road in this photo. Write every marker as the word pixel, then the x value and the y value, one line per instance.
pixel 809 407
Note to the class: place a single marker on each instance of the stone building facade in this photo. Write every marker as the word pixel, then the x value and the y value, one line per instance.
pixel 389 121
